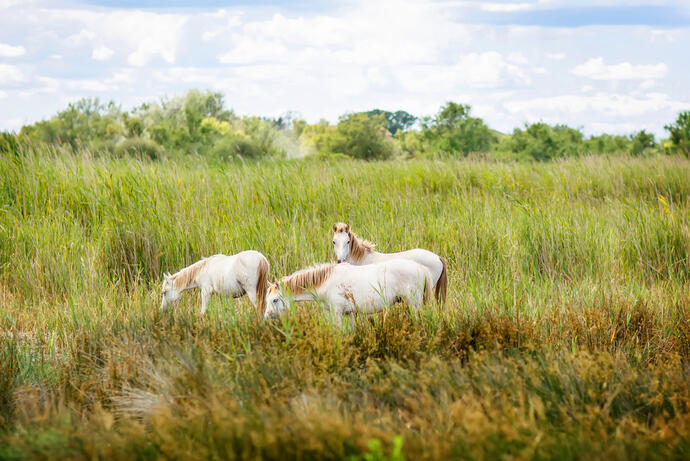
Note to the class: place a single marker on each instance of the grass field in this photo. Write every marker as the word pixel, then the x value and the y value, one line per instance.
pixel 566 333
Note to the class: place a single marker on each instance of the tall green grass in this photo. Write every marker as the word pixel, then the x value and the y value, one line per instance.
pixel 566 332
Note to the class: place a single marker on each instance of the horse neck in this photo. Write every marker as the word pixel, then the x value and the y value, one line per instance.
pixel 186 279
pixel 304 296
pixel 369 255
pixel 191 284
pixel 302 284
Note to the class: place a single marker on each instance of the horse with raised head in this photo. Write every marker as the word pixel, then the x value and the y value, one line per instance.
pixel 354 250
pixel 236 275
pixel 346 289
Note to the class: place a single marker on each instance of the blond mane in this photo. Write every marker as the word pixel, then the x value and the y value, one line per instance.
pixel 309 278
pixel 185 277
pixel 359 248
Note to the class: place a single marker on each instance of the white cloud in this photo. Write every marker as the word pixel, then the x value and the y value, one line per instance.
pixel 596 69
pixel 474 70
pixel 505 7
pixel 3 94
pixel 10 74
pixel 517 58
pixel 141 35
pixel 102 53
pixel 255 50
pixel 9 51
pixel 647 84
pixel 609 104
pixel 556 56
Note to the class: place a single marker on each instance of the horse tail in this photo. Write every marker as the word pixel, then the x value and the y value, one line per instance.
pixel 262 284
pixel 442 284
pixel 428 285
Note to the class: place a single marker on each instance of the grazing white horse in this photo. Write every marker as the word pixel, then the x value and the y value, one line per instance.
pixel 236 275
pixel 347 289
pixel 350 248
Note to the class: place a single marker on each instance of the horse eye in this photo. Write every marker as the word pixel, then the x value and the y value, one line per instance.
pixel 333 242
pixel 348 242
pixel 275 301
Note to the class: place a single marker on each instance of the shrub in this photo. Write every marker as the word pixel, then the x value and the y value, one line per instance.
pixel 606 143
pixel 641 142
pixel 9 144
pixel 540 141
pixel 84 123
pixel 359 136
pixel 454 131
pixel 139 148
pixel 680 134
pixel 233 147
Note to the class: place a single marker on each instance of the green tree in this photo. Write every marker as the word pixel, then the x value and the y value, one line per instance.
pixel 396 121
pixel 641 142
pixel 680 134
pixel 362 136
pixel 606 143
pixel 454 131
pixel 85 123
pixel 540 141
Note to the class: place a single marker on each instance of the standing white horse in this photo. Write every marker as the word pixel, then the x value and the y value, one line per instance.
pixel 236 275
pixel 347 289
pixel 350 248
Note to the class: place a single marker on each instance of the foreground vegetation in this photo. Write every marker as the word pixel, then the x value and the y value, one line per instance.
pixel 566 332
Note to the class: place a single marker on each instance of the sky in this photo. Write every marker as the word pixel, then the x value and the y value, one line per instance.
pixel 603 66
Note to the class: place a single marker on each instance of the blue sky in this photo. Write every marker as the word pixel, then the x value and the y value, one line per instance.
pixel 606 66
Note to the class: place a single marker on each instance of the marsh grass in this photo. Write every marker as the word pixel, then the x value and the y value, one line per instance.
pixel 566 333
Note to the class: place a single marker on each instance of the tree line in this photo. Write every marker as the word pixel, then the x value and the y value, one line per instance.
pixel 199 123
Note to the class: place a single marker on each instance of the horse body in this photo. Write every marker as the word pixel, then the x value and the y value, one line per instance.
pixel 235 275
pixel 350 248
pixel 347 288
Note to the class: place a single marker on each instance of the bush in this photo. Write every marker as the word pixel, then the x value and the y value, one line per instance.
pixel 540 141
pixel 140 148
pixel 359 136
pixel 606 143
pixel 9 144
pixel 454 131
pixel 641 142
pixel 680 134
pixel 233 147
pixel 85 123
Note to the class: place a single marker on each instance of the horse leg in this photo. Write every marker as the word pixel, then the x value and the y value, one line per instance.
pixel 205 296
pixel 250 290
pixel 415 299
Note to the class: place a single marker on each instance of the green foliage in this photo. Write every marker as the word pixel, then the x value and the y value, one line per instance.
pixel 607 144
pixel 641 141
pixel 88 123
pixel 9 144
pixel 397 121
pixel 139 148
pixel 540 141
pixel 453 131
pixel 357 135
pixel 680 134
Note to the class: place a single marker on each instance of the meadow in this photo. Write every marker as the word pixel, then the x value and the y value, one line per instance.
pixel 566 333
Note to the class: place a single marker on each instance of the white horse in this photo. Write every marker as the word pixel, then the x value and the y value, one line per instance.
pixel 350 248
pixel 347 289
pixel 236 275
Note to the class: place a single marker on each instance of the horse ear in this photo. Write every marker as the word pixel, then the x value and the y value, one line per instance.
pixel 335 227
pixel 347 228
